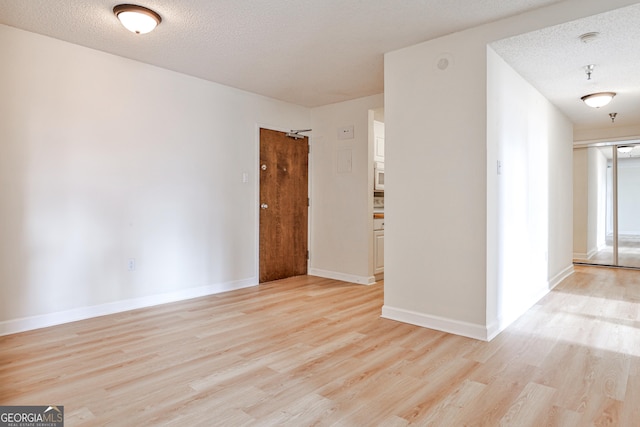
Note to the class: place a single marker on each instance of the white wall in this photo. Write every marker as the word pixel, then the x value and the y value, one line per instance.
pixel 106 159
pixel 435 182
pixel 559 138
pixel 342 209
pixel 532 218
pixel 440 269
pixel 580 203
pixel 590 201
pixel 629 196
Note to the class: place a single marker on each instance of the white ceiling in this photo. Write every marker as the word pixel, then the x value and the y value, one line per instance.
pixel 553 60
pixel 317 52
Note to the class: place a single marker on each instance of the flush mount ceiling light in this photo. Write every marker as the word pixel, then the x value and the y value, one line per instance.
pixel 137 19
pixel 597 100
pixel 625 149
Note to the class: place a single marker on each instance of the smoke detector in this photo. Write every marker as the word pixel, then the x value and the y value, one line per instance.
pixel 589 37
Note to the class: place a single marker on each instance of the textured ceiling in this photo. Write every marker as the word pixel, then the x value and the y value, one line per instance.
pixel 553 60
pixel 317 52
pixel 308 52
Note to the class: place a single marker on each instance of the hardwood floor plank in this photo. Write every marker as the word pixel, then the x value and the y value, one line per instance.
pixel 496 398
pixel 607 413
pixel 531 407
pixel 561 417
pixel 630 413
pixel 438 386
pixel 445 412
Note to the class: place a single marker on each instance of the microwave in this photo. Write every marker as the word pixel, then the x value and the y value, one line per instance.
pixel 378 176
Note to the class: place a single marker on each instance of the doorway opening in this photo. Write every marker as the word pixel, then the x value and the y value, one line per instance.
pixel 377 171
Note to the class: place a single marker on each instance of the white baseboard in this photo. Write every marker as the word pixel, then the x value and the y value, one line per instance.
pixel 51 319
pixel 509 316
pixel 502 323
pixel 361 280
pixel 589 255
pixel 555 280
pixel 470 330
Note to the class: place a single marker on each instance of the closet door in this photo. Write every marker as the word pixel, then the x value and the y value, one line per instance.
pixel 628 206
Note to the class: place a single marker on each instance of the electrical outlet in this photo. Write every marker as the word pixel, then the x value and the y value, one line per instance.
pixel 131 265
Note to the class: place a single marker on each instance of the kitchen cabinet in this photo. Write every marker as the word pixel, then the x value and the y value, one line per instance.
pixel 378 251
pixel 378 144
pixel 378 245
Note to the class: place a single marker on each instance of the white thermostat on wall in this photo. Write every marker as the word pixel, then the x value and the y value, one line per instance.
pixel 345 132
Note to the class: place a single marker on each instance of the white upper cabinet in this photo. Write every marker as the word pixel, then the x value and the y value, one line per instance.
pixel 378 138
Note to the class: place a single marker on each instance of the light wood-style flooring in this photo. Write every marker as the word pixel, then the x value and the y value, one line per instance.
pixel 308 351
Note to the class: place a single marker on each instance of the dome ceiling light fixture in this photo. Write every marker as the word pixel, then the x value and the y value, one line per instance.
pixel 137 19
pixel 599 99
pixel 625 149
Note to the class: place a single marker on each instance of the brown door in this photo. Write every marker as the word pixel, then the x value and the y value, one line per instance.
pixel 283 205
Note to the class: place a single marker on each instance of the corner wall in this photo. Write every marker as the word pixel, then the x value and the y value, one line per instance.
pixel 529 178
pixel 589 201
pixel 435 182
pixel 442 261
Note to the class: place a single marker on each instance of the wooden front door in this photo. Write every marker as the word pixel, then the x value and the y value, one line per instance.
pixel 283 205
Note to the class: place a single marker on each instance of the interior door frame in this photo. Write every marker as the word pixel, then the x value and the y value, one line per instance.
pixel 256 191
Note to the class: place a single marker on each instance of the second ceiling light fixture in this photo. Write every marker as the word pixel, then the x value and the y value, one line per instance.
pixel 137 19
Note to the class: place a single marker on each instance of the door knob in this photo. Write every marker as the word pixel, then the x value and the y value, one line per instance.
pixel 263 167
pixel 264 206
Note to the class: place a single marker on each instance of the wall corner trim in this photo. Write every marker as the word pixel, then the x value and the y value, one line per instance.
pixel 555 280
pixel 81 313
pixel 501 324
pixel 352 278
pixel 451 326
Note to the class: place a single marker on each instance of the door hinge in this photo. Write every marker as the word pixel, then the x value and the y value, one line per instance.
pixel 308 256
pixel 308 202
